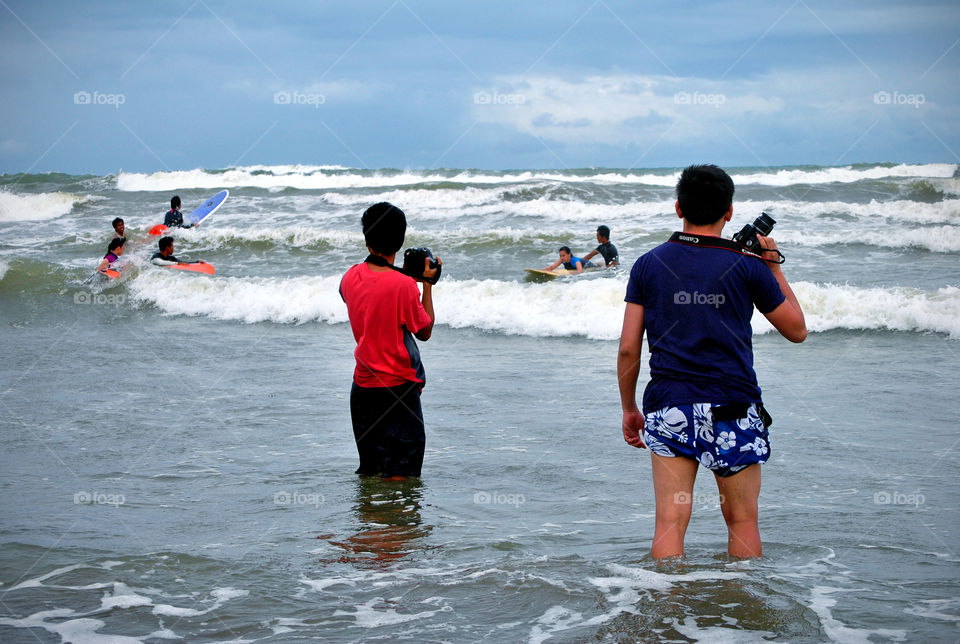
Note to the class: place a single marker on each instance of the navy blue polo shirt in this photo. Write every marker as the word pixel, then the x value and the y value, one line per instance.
pixel 698 302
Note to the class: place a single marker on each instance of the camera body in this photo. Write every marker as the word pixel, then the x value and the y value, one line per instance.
pixel 747 237
pixel 413 264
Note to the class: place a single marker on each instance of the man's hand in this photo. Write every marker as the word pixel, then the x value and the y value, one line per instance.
pixel 633 422
pixel 769 245
pixel 429 272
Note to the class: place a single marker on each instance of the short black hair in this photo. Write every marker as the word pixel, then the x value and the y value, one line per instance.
pixel 705 194
pixel 565 248
pixel 116 243
pixel 117 221
pixel 604 231
pixel 175 202
pixel 165 243
pixel 384 227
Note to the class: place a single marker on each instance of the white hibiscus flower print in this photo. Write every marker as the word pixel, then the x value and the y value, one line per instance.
pixel 668 420
pixel 752 421
pixel 726 440
pixel 707 460
pixel 703 421
pixel 759 446
pixel 655 446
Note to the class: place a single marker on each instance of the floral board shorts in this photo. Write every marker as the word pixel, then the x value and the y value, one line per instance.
pixel 723 438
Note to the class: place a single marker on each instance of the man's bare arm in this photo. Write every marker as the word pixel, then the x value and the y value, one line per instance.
pixel 628 372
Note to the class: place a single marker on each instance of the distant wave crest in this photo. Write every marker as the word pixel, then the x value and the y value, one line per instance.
pixel 336 177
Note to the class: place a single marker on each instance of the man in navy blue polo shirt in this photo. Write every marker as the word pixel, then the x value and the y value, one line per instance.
pixel 694 296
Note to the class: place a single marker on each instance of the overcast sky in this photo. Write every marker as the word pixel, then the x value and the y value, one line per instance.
pixel 96 87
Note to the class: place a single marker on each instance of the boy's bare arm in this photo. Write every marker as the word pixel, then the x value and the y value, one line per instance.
pixel 427 300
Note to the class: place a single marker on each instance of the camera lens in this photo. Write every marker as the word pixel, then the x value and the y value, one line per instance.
pixel 764 224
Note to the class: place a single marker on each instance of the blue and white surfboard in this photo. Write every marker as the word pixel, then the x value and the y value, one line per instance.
pixel 208 208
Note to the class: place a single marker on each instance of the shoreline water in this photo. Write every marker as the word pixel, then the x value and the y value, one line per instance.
pixel 172 468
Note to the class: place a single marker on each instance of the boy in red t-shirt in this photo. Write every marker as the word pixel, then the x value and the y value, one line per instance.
pixel 386 313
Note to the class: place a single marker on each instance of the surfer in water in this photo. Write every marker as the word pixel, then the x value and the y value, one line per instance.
pixel 114 251
pixel 118 229
pixel 165 256
pixel 174 218
pixel 611 257
pixel 569 261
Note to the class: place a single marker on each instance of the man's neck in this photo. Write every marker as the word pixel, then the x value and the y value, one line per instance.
pixel 713 230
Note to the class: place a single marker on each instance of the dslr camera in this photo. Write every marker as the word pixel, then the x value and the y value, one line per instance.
pixel 413 264
pixel 747 237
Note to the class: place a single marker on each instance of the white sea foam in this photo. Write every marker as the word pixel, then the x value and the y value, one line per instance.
pixel 327 178
pixel 82 629
pixel 949 186
pixel 936 609
pixel 378 612
pixel 36 582
pixel 473 202
pixel 220 596
pixel 295 236
pixel 623 592
pixel 939 239
pixel 532 309
pixel 941 212
pixel 845 174
pixel 822 600
pixel 37 207
pixel 123 597
pixel 291 300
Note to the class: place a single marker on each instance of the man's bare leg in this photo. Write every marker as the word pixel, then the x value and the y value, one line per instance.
pixel 738 500
pixel 673 480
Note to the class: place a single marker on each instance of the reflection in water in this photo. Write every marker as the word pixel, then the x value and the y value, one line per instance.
pixel 390 522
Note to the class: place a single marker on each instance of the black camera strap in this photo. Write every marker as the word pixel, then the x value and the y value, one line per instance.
pixel 707 241
pixel 377 260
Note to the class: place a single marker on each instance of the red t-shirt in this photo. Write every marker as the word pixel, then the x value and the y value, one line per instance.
pixel 385 311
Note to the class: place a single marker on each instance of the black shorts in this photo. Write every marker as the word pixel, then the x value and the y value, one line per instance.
pixel 388 428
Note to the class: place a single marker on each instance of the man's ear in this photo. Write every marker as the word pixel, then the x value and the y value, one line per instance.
pixel 676 207
pixel 727 216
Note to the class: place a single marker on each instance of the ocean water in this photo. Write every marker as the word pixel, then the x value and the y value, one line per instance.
pixel 177 454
